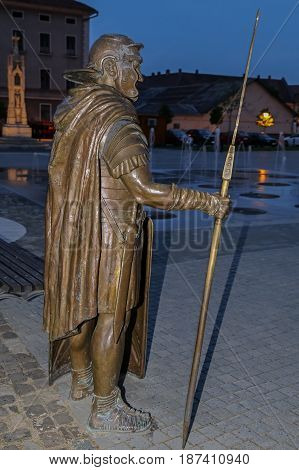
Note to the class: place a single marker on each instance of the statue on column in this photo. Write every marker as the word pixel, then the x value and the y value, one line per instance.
pixel 16 122
pixel 98 238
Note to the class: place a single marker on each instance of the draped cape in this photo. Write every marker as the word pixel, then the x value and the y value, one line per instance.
pixel 73 218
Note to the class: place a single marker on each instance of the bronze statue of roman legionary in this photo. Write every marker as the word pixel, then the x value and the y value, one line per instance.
pixel 98 239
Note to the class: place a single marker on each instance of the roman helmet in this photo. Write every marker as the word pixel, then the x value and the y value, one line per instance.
pixel 118 46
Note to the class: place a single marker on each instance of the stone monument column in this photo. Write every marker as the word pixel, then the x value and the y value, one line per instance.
pixel 16 122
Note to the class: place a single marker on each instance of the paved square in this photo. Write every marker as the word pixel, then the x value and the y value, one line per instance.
pixel 247 396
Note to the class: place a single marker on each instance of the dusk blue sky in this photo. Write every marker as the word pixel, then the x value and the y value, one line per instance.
pixel 209 35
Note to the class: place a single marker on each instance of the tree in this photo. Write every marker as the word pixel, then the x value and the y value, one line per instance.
pixel 165 112
pixel 216 115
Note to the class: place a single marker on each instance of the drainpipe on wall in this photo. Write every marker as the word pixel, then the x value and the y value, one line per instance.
pixel 85 35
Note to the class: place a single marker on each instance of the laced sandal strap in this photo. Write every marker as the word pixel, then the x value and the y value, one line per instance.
pixel 103 404
pixel 83 377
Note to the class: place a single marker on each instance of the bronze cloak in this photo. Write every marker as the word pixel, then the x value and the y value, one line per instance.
pixel 73 219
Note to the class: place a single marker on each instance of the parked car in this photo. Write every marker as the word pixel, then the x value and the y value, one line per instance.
pixel 292 140
pixel 201 136
pixel 259 139
pixel 42 129
pixel 226 137
pixel 176 137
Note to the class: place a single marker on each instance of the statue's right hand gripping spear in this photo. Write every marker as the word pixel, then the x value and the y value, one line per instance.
pixel 226 178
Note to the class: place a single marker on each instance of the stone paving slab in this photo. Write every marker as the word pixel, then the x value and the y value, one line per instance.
pixel 32 416
pixel 249 385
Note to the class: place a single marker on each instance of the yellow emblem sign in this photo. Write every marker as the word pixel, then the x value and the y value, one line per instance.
pixel 265 119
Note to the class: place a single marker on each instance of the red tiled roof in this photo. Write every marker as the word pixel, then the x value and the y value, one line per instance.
pixel 195 93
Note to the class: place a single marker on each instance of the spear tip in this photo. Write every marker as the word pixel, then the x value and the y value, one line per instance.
pixel 258 14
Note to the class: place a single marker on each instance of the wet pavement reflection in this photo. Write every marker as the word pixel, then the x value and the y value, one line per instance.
pixel 265 193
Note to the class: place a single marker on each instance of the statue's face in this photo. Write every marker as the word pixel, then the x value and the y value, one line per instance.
pixel 129 74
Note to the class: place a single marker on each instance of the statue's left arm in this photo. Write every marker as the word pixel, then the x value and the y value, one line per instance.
pixel 127 158
pixel 163 196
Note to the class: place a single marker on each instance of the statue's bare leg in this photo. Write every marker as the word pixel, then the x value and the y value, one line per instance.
pixel 82 379
pixel 107 356
pixel 109 412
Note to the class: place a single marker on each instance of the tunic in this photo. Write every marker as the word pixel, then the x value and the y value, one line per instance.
pixel 124 148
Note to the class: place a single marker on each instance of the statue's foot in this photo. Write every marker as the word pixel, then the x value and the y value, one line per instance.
pixel 82 383
pixel 111 414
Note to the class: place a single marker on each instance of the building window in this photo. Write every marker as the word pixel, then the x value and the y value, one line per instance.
pixel 44 43
pixel 19 34
pixel 43 17
pixel 176 125
pixel 70 20
pixel 45 79
pixel 45 111
pixel 17 14
pixel 71 45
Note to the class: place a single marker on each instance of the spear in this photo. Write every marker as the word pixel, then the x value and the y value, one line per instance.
pixel 226 178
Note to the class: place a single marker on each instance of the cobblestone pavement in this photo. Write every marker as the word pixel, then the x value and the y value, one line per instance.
pixel 247 396
pixel 32 416
pixel 249 386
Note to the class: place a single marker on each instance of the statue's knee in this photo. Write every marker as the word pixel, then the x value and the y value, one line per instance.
pixel 82 339
pixel 78 342
pixel 105 320
pixel 103 332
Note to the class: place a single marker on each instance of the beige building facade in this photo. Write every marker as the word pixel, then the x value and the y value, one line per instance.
pixel 53 37
pixel 189 98
pixel 257 98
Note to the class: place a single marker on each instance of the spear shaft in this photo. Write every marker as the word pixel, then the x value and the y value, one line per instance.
pixel 226 178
